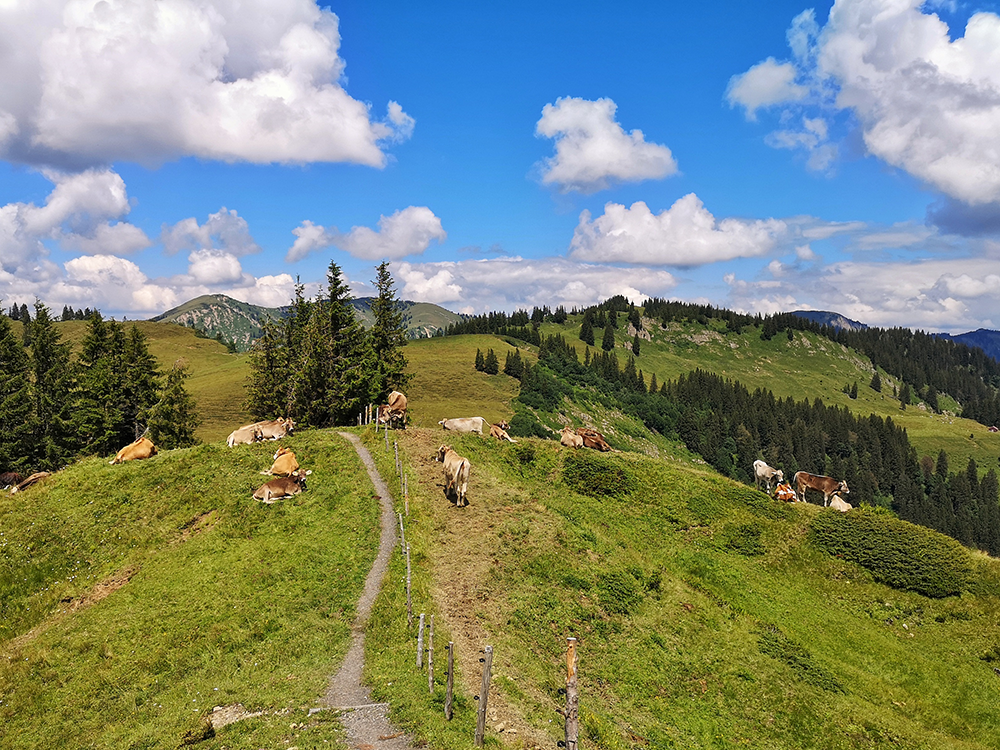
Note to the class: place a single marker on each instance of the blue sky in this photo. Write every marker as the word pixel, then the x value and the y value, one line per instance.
pixel 763 157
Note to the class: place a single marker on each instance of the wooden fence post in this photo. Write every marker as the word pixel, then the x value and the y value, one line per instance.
pixel 409 601
pixel 450 681
pixel 406 496
pixel 430 658
pixel 484 692
pixel 572 699
pixel 420 643
pixel 402 535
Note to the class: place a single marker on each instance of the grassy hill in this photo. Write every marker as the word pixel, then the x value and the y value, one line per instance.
pixel 135 598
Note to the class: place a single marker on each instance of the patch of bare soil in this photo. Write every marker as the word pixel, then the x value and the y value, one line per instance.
pixel 461 558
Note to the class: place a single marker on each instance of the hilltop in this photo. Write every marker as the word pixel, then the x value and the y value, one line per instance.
pixel 240 322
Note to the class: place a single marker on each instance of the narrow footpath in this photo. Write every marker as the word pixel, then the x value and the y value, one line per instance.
pixel 366 724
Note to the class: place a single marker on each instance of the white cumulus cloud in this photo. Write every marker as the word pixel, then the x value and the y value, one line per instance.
pixel 150 80
pixel 766 83
pixel 225 230
pixel 408 231
pixel 686 234
pixel 593 152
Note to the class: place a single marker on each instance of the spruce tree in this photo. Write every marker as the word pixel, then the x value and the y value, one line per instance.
pixel 876 383
pixel 267 382
pixel 140 379
pixel 97 416
pixel 388 335
pixel 587 331
pixel 608 342
pixel 854 390
pixel 52 441
pixel 174 418
pixel 491 365
pixel 904 395
pixel 15 400
pixel 635 345
pixel 480 361
pixel 351 364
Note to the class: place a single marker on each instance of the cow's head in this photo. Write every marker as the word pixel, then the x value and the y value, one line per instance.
pixel 283 451
pixel 780 475
pixel 441 452
pixel 299 477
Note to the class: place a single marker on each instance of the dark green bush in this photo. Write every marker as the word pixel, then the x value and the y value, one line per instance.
pixel 524 424
pixel 772 642
pixel 619 592
pixel 595 475
pixel 897 553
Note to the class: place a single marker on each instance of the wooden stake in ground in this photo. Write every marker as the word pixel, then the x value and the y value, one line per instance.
pixel 406 497
pixel 572 699
pixel 409 600
pixel 450 682
pixel 484 692
pixel 402 535
pixel 430 658
pixel 420 643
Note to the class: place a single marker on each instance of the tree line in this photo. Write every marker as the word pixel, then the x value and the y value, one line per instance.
pixel 56 407
pixel 318 366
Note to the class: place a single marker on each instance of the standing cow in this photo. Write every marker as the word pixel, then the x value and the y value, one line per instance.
pixel 456 474
pixel 803 480
pixel 764 474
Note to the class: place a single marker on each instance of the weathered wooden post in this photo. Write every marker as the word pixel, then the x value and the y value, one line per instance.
pixel 406 496
pixel 409 601
pixel 484 692
pixel 420 643
pixel 395 448
pixel 450 682
pixel 387 436
pixel 430 658
pixel 572 699
pixel 402 534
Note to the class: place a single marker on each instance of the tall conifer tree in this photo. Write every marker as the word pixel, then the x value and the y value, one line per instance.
pixel 52 439
pixel 388 335
pixel 15 400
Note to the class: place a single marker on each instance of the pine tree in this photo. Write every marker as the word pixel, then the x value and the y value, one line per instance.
pixel 140 380
pixel 608 342
pixel 25 317
pixel 388 335
pixel 15 400
pixel 491 365
pixel 52 441
pixel 97 416
pixel 587 331
pixel 854 390
pixel 635 345
pixel 267 383
pixel 352 361
pixel 514 366
pixel 480 361
pixel 174 418
pixel 904 395
pixel 876 383
pixel 653 385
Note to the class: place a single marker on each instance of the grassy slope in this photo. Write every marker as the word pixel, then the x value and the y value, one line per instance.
pixel 808 367
pixel 228 600
pixel 686 664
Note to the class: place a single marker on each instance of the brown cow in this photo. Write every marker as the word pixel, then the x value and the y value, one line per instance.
pixel 135 451
pixel 281 487
pixel 285 463
pixel 593 439
pixel 803 480
pixel 36 477
pixel 274 429
pixel 250 433
pixel 393 412
pixel 456 474
pixel 10 479
pixel 499 431
pixel 570 439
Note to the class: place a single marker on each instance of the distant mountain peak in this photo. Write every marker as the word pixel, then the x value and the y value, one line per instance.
pixel 831 319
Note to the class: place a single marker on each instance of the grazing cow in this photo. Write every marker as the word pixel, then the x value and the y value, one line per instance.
pixel 26 483
pixel 10 479
pixel 764 473
pixel 593 439
pixel 499 431
pixel 274 429
pixel 570 439
pixel 465 424
pixel 784 492
pixel 140 449
pixel 284 464
pixel 803 480
pixel 838 503
pixel 456 474
pixel 250 433
pixel 281 487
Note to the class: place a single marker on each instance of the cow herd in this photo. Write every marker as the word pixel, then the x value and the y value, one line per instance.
pixel 803 480
pixel 289 478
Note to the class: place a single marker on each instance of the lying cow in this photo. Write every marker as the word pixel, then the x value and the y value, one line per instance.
pixel 465 424
pixel 274 429
pixel 456 474
pixel 764 474
pixel 499 431
pixel 26 483
pixel 10 479
pixel 784 492
pixel 838 503
pixel 250 433
pixel 570 439
pixel 593 439
pixel 136 451
pixel 281 487
pixel 285 464
pixel 803 480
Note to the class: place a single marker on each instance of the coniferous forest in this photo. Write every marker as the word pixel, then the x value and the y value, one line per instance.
pixel 57 407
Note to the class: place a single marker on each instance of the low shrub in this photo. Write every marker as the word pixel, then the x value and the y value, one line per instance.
pixel 897 553
pixel 524 424
pixel 772 642
pixel 619 592
pixel 743 538
pixel 597 476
